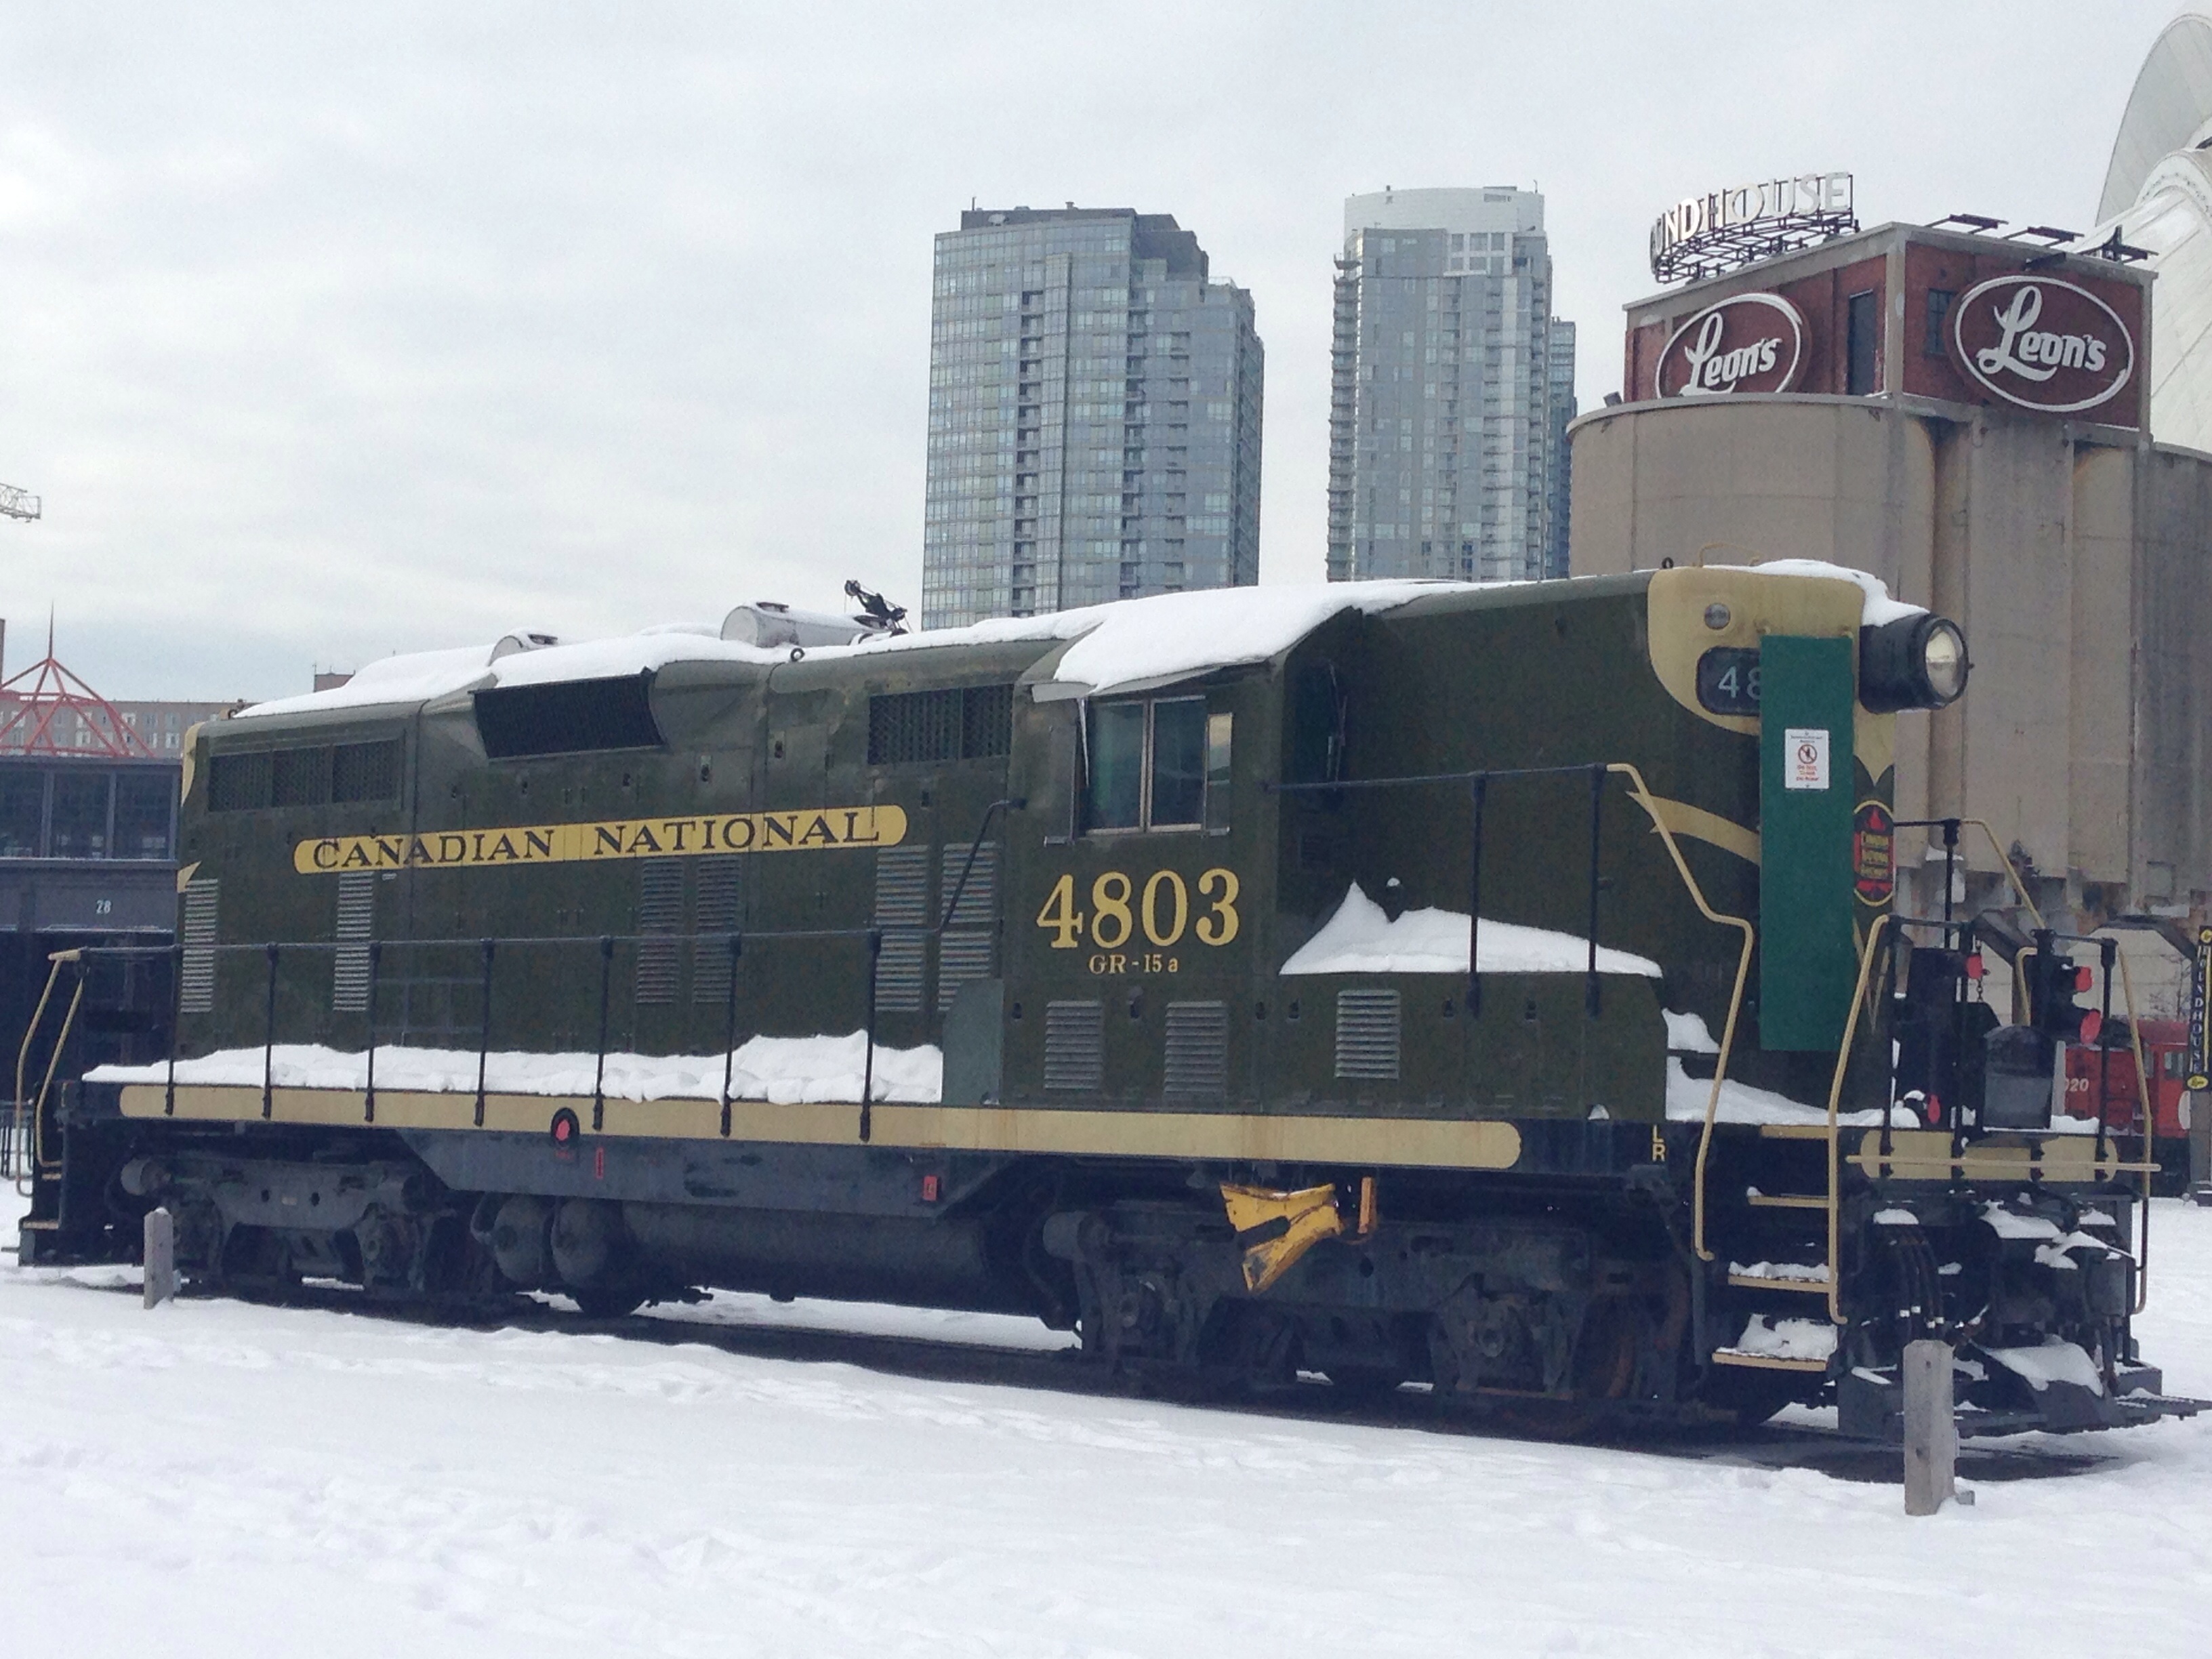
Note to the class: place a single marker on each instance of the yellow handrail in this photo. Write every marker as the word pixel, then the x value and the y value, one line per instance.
pixel 1643 798
pixel 22 1065
pixel 23 1053
pixel 36 1145
pixel 1835 1095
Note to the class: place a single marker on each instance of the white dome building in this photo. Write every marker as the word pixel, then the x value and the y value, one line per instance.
pixel 2158 196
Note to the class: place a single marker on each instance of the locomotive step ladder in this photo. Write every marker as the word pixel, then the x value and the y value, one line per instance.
pixel 1808 1279
pixel 1816 1278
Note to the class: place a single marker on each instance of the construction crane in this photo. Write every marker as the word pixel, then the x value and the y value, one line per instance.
pixel 17 503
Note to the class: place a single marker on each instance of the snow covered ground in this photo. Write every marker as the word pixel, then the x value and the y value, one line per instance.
pixel 212 1479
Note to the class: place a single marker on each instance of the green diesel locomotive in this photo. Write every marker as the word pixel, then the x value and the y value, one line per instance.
pixel 1486 987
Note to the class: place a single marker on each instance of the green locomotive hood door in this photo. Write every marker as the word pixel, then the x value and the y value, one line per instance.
pixel 1807 962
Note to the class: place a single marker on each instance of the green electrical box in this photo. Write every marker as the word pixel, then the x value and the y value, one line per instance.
pixel 1808 964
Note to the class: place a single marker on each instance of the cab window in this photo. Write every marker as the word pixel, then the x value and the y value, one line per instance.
pixel 1149 762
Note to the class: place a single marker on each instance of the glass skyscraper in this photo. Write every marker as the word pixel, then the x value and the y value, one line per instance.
pixel 1094 415
pixel 1452 386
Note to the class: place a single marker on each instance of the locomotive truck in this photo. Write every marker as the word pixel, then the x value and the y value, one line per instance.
pixel 1486 987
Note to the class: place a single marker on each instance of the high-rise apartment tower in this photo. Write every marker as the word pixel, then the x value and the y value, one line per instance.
pixel 1094 415
pixel 1452 385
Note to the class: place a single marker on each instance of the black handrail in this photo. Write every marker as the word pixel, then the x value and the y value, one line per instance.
pixel 1478 787
pixel 268 1049
pixel 484 1029
pixel 176 1025
pixel 730 1028
pixel 599 1069
pixel 488 946
pixel 368 1096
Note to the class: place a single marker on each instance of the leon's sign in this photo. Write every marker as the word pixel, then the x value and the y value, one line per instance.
pixel 1748 343
pixel 806 830
pixel 2041 343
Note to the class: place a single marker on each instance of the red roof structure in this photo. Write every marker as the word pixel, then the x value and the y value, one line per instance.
pixel 30 700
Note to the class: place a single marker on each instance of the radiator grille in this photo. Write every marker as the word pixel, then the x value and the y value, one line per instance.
pixel 661 917
pixel 1074 1045
pixel 195 983
pixel 720 888
pixel 1198 1049
pixel 357 921
pixel 972 722
pixel 902 910
pixel 1367 1025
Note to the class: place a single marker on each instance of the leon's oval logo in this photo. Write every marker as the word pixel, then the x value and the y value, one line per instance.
pixel 1748 343
pixel 2041 343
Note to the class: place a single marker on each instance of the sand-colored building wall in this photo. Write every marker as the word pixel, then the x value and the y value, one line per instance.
pixel 2079 561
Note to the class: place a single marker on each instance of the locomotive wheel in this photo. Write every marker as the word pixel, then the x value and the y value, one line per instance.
pixel 608 1301
pixel 255 1266
pixel 1604 1370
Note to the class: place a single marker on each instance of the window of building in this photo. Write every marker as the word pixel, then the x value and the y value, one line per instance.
pixel 1862 342
pixel 1938 311
pixel 144 804
pixel 22 813
pixel 79 825
pixel 1149 764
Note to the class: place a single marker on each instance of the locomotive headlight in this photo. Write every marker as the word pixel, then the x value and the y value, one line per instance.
pixel 1914 662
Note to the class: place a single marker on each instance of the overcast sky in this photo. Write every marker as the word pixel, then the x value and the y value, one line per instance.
pixel 328 332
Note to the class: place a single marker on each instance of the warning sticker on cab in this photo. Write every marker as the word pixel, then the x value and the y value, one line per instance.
pixel 1805 757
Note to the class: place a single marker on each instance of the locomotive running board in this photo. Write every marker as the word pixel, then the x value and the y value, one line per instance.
pixel 1431 1143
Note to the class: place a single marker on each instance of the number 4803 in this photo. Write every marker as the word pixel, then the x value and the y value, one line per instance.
pixel 1161 908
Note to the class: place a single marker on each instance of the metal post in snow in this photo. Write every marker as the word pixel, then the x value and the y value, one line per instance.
pixel 160 1257
pixel 1931 1433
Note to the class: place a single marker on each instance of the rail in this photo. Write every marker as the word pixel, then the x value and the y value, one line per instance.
pixel 1479 784
pixel 1835 1098
pixel 488 948
pixel 491 951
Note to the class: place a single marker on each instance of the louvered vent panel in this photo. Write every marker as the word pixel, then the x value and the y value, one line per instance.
pixel 1367 1023
pixel 1198 1049
pixel 661 917
pixel 197 983
pixel 1074 1045
pixel 968 948
pixel 721 890
pixel 979 899
pixel 964 955
pixel 357 921
pixel 902 912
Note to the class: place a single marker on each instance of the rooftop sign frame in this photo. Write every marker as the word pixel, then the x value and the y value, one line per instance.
pixel 1724 230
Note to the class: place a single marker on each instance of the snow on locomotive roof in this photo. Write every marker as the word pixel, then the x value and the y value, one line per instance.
pixel 1121 645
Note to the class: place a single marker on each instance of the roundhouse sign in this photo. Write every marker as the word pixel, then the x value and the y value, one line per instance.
pixel 1747 343
pixel 2041 343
